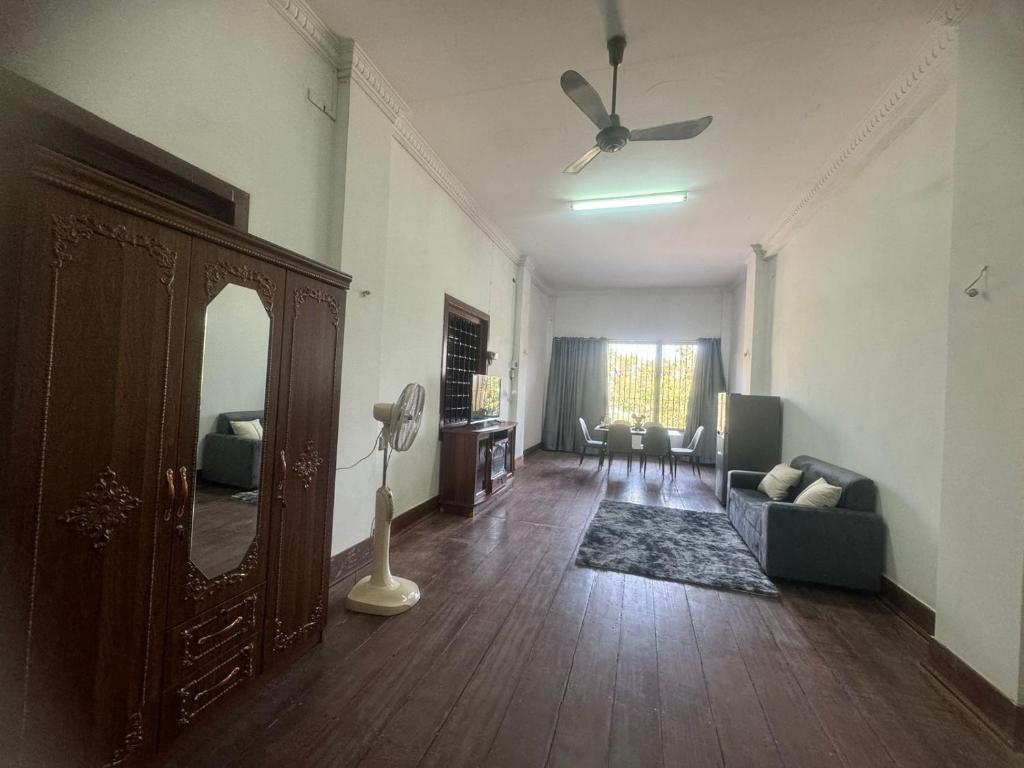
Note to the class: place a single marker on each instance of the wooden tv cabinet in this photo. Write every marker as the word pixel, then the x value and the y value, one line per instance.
pixel 477 465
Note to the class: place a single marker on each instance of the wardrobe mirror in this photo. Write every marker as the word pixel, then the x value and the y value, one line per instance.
pixel 230 437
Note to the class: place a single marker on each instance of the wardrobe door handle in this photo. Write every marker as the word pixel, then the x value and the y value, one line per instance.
pixel 284 477
pixel 169 475
pixel 183 475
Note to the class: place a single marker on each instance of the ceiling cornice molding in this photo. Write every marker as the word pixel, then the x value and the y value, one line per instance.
pixel 353 65
pixel 311 29
pixel 358 68
pixel 906 97
pixel 423 153
pixel 530 268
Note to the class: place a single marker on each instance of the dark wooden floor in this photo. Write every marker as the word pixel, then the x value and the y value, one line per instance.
pixel 515 657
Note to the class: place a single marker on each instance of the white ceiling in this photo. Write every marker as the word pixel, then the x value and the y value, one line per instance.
pixel 786 81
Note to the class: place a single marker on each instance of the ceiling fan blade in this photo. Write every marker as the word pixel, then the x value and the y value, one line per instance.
pixel 585 158
pixel 685 130
pixel 585 97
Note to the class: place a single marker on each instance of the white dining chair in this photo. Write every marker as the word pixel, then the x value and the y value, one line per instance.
pixel 589 442
pixel 689 453
pixel 620 441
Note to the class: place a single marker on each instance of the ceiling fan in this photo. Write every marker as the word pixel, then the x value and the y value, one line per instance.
pixel 613 136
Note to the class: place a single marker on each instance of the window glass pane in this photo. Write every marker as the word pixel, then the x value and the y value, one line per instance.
pixel 677 362
pixel 631 378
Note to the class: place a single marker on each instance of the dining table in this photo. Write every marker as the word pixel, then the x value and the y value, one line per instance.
pixel 675 436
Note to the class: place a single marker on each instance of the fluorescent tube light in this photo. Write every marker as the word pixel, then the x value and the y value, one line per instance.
pixel 629 202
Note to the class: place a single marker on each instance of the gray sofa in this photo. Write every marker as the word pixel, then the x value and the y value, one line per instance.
pixel 229 459
pixel 842 546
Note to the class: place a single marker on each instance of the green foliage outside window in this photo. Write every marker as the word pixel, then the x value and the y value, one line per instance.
pixel 650 379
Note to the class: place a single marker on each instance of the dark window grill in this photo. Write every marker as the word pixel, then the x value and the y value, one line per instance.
pixel 464 345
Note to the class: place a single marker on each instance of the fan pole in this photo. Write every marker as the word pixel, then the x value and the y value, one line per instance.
pixel 381 593
pixel 384 510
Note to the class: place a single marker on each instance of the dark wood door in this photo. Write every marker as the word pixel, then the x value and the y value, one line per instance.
pixel 304 467
pixel 232 355
pixel 99 340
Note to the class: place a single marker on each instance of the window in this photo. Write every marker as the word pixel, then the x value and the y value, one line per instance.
pixel 464 353
pixel 652 380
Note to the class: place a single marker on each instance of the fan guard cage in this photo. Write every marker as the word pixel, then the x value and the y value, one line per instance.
pixel 406 416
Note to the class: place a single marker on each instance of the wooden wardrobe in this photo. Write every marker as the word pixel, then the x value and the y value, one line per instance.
pixel 135 594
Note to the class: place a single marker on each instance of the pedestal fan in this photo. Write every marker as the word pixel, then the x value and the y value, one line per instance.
pixel 380 592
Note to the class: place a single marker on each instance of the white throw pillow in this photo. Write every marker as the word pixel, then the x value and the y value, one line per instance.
pixel 776 484
pixel 251 429
pixel 819 494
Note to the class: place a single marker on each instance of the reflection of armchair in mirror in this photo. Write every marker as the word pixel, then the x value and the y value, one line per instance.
pixel 230 435
pixel 229 458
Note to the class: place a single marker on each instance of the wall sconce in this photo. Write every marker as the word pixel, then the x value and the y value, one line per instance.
pixel 970 290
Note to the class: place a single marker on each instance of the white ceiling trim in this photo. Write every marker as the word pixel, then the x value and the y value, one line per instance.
pixel 904 99
pixel 417 146
pixel 353 65
pixel 358 68
pixel 311 29
pixel 530 270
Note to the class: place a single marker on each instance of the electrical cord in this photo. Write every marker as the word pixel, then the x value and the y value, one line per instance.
pixel 376 444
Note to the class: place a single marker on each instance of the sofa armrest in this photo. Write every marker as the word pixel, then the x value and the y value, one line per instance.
pixel 741 478
pixel 843 547
pixel 231 460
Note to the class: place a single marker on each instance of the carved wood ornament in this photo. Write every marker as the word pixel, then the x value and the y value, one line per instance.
pixel 102 509
pixel 308 463
pixel 283 640
pixel 264 286
pixel 71 229
pixel 198 586
pixel 132 740
pixel 322 296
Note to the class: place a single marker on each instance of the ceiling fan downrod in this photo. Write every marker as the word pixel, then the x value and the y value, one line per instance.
pixel 616 47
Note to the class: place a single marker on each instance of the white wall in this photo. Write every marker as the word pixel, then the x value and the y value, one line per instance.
pixel 981 567
pixel 860 332
pixel 735 373
pixel 408 243
pixel 668 315
pixel 536 359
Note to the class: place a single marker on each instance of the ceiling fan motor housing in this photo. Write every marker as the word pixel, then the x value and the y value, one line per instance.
pixel 613 138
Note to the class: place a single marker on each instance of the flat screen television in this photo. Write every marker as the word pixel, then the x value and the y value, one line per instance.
pixel 486 402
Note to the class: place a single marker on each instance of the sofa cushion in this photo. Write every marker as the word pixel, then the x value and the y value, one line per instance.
pixel 776 484
pixel 224 420
pixel 819 494
pixel 859 492
pixel 250 429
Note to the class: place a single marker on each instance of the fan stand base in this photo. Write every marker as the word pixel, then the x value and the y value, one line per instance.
pixel 380 593
pixel 400 596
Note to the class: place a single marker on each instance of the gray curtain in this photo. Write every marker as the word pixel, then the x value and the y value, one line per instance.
pixel 702 407
pixel 577 386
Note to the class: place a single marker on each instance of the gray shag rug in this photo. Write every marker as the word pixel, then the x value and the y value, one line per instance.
pixel 672 544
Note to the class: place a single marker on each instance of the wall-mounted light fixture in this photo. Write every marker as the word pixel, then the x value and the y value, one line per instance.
pixel 666 198
pixel 970 290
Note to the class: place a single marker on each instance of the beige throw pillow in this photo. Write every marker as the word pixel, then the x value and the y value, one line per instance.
pixel 819 494
pixel 776 484
pixel 251 429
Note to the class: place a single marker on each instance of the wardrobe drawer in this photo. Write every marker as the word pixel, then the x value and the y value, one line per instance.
pixel 191 646
pixel 184 704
